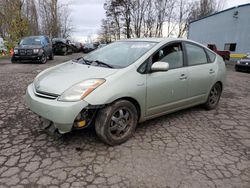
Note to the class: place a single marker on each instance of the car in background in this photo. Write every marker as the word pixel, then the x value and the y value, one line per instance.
pixel 243 64
pixel 127 82
pixel 33 49
pixel 101 45
pixel 89 47
pixel 63 46
pixel 3 49
pixel 223 53
pixel 78 46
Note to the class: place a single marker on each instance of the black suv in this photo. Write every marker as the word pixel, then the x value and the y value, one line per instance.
pixel 33 49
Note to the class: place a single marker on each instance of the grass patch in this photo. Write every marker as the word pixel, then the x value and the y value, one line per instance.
pixel 5 57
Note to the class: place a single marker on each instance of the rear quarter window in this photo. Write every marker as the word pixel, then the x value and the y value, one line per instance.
pixel 211 56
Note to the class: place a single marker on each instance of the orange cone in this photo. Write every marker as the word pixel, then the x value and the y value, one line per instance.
pixel 11 52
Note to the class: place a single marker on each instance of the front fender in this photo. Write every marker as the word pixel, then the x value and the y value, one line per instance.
pixel 130 84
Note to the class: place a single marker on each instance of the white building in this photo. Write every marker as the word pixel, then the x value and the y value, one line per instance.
pixel 228 29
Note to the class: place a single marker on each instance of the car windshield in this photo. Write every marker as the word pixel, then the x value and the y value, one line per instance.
pixel 31 41
pixel 89 45
pixel 120 54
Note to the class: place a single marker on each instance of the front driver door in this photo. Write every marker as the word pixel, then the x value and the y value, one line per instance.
pixel 167 90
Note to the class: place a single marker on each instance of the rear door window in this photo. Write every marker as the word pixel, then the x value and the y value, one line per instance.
pixel 195 55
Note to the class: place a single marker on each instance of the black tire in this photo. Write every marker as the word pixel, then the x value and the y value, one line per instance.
pixel 213 97
pixel 51 57
pixel 236 69
pixel 116 123
pixel 44 58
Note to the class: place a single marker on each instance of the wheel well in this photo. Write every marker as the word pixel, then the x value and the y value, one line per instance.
pixel 134 102
pixel 220 84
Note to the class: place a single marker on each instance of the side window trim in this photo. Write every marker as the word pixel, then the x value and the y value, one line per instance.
pixel 210 60
pixel 185 59
pixel 165 45
pixel 149 59
pixel 148 63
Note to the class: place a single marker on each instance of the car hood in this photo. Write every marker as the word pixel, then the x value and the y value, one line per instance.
pixel 245 60
pixel 57 79
pixel 28 46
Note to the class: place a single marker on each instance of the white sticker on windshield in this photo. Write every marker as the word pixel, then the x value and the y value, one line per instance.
pixel 140 46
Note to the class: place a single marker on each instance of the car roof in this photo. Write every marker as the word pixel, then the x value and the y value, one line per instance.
pixel 157 40
pixel 35 36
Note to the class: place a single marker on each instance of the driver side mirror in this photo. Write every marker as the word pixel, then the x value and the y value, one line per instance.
pixel 159 66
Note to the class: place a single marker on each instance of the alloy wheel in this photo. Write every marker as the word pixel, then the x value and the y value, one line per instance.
pixel 214 95
pixel 120 123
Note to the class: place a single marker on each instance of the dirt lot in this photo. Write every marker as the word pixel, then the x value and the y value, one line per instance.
pixel 191 148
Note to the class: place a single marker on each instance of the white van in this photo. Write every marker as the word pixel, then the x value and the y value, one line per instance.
pixel 2 47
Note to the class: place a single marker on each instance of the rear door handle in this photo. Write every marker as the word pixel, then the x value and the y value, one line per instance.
pixel 211 71
pixel 183 77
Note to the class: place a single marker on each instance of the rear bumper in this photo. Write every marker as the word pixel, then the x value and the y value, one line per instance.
pixel 62 114
pixel 32 58
pixel 242 67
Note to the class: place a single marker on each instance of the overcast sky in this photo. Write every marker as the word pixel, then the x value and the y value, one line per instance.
pixel 86 16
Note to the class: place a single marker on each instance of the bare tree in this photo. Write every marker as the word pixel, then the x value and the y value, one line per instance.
pixel 113 14
pixel 66 28
pixel 55 18
pixel 149 20
pixel 202 8
pixel 31 13
pixel 105 32
pixel 14 24
pixel 126 14
pixel 137 18
pixel 138 11
pixel 185 10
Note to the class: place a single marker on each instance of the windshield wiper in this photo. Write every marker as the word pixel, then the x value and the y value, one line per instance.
pixel 83 60
pixel 88 62
pixel 102 63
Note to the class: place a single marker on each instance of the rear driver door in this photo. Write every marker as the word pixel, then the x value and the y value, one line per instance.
pixel 201 70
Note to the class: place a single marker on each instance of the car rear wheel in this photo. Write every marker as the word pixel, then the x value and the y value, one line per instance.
pixel 116 123
pixel 213 97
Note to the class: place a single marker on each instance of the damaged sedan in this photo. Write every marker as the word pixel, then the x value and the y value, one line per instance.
pixel 124 83
pixel 62 46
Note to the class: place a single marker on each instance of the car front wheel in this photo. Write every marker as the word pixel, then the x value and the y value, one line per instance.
pixel 116 123
pixel 213 97
pixel 44 59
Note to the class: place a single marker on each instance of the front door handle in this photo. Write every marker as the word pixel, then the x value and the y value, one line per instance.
pixel 211 71
pixel 183 77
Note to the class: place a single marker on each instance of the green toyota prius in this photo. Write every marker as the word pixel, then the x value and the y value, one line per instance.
pixel 124 83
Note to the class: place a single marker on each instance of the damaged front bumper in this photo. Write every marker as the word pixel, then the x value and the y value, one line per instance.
pixel 62 114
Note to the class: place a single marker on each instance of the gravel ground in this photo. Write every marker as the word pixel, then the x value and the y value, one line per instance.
pixel 190 148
